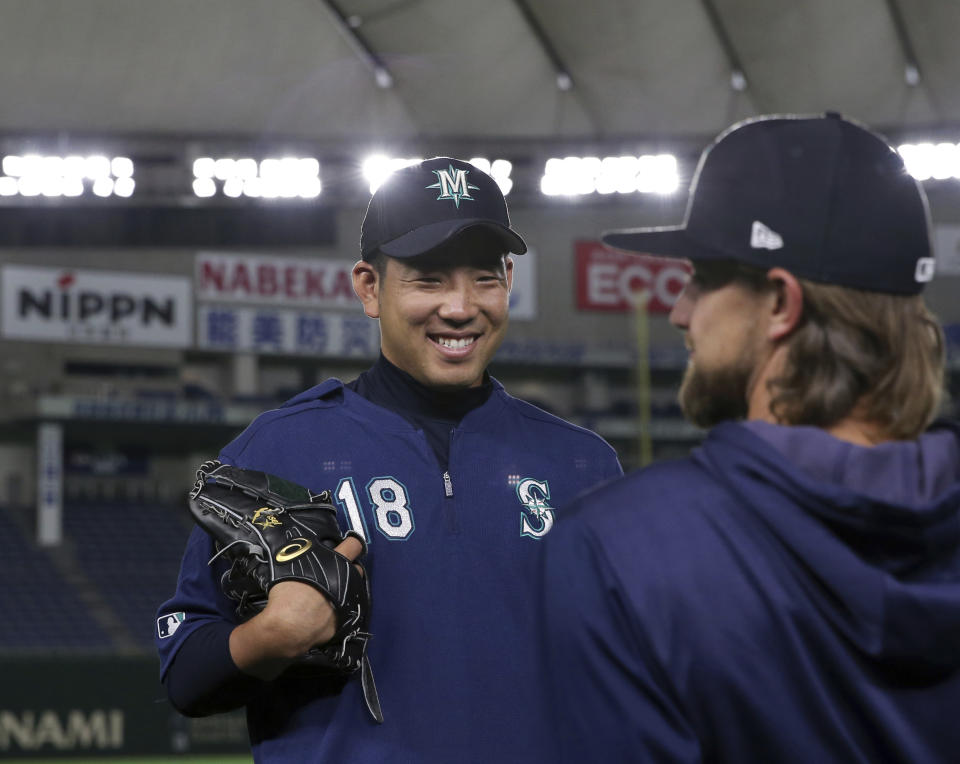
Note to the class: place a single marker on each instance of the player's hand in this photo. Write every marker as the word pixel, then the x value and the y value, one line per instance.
pixel 296 618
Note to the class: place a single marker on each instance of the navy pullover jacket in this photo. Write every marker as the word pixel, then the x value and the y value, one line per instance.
pixel 454 515
pixel 206 680
pixel 780 596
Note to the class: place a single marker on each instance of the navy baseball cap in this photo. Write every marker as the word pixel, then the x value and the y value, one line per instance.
pixel 420 207
pixel 821 196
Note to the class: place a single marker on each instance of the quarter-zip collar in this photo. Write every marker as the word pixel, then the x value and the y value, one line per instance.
pixel 433 411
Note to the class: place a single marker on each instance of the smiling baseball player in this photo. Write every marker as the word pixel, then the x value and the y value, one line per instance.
pixel 451 483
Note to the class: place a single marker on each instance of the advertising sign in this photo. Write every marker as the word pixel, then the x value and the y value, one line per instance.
pixel 262 278
pixel 50 484
pixel 271 330
pixel 612 281
pixel 946 245
pixel 100 307
pixel 523 296
pixel 99 708
pixel 318 283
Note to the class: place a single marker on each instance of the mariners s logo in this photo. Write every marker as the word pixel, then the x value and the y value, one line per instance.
pixel 453 184
pixel 536 519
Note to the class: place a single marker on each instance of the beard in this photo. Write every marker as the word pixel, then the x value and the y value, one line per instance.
pixel 711 396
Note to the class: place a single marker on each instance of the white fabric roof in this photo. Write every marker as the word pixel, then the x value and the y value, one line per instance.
pixel 473 69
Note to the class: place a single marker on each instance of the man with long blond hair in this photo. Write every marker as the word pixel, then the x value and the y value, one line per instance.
pixel 791 591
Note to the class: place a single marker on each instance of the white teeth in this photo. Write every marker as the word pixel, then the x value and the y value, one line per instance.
pixel 447 342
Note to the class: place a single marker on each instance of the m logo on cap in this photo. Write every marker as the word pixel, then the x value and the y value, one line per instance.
pixel 762 237
pixel 453 184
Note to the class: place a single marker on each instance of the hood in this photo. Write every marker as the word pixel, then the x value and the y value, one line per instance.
pixel 873 534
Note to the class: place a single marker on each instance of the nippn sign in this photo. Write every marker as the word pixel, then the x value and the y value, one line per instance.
pixel 72 305
pixel 613 281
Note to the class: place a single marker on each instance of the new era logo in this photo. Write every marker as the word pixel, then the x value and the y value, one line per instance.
pixel 762 237
pixel 926 266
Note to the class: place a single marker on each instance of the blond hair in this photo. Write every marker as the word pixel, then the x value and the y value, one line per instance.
pixel 876 355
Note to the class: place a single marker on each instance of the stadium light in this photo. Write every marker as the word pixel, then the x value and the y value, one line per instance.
pixel 498 169
pixel 204 187
pixel 71 176
pixel 121 167
pixel 580 176
pixel 376 168
pixel 931 161
pixel 124 187
pixel 270 178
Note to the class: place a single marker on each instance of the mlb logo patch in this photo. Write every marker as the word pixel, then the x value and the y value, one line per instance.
pixel 168 624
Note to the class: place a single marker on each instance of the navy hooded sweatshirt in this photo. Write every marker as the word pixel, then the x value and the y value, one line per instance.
pixel 779 596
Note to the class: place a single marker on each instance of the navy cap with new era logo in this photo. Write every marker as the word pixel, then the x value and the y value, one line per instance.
pixel 420 207
pixel 821 196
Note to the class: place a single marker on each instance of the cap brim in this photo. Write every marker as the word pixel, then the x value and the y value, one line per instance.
pixel 421 240
pixel 664 241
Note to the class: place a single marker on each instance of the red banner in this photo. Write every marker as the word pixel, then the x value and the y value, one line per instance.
pixel 611 281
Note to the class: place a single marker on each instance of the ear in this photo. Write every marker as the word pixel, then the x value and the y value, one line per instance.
pixel 366 283
pixel 508 268
pixel 787 305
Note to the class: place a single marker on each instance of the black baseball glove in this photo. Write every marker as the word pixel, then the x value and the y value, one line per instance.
pixel 272 530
